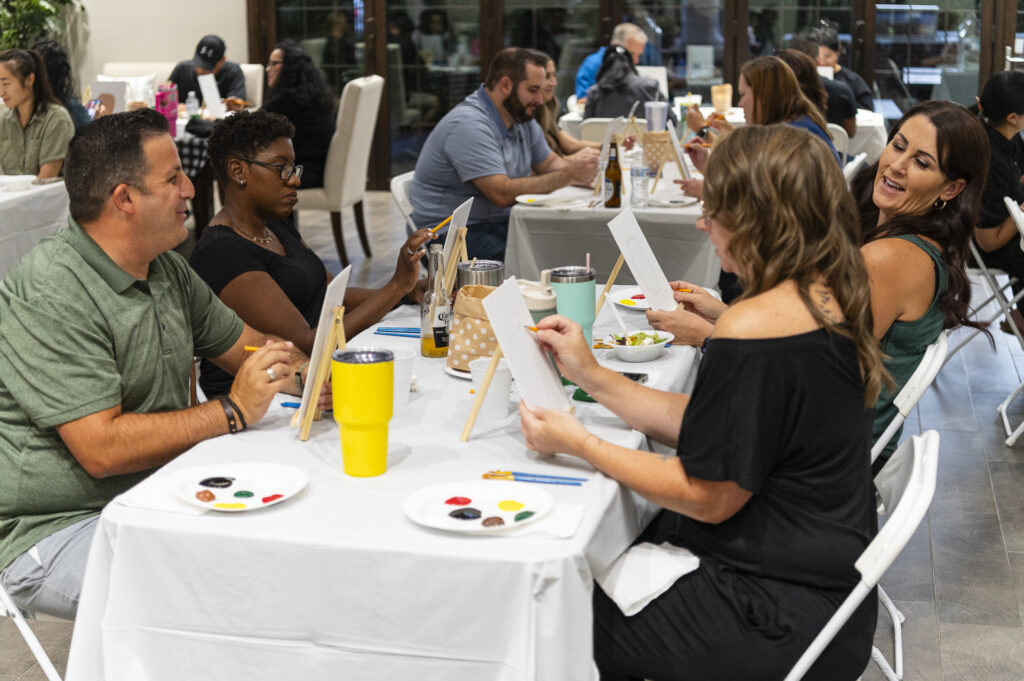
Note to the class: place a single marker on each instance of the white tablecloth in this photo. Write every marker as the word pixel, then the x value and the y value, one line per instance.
pixel 541 238
pixel 870 138
pixel 28 216
pixel 337 583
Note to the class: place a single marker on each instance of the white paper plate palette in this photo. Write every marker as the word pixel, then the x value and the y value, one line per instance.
pixel 478 506
pixel 236 487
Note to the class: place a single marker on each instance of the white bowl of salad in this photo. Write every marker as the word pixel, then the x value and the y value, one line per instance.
pixel 639 346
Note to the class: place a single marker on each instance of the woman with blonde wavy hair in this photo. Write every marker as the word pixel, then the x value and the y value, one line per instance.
pixel 771 484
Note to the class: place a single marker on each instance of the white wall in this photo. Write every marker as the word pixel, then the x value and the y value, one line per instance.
pixel 147 30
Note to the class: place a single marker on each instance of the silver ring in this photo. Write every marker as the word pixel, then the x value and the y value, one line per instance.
pixel 410 251
pixel 271 374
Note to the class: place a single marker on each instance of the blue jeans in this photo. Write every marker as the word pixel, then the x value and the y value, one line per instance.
pixel 486 240
pixel 48 577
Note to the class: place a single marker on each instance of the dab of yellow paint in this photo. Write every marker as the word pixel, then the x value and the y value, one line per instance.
pixel 509 505
pixel 627 301
pixel 230 507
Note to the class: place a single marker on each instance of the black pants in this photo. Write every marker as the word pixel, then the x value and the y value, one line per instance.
pixel 486 240
pixel 1008 258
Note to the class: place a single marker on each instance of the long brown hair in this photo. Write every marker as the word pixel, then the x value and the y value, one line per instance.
pixel 806 71
pixel 963 155
pixel 547 118
pixel 777 93
pixel 780 192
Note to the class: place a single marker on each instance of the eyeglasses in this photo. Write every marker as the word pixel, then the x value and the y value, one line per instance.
pixel 274 63
pixel 285 170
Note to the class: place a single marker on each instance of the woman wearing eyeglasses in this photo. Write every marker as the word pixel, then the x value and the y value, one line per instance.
pixel 252 256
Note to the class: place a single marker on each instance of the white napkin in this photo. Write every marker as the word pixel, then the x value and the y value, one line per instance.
pixel 561 523
pixel 155 494
pixel 644 572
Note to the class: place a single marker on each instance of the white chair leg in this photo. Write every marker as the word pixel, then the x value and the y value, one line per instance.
pixel 897 629
pixel 1013 433
pixel 883 665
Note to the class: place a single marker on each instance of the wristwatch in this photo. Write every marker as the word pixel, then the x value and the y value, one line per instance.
pixel 703 132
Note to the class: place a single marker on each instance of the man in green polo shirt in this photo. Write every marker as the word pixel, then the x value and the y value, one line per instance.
pixel 98 328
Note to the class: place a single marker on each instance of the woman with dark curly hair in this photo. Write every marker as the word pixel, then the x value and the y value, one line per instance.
pixel 252 256
pixel 35 129
pixel 299 92
pixel 58 70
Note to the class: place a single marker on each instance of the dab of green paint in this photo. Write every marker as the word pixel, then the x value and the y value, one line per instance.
pixel 523 516
pixel 243 494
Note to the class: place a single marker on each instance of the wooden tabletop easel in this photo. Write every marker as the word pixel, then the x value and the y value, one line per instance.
pixel 459 254
pixel 658 151
pixel 335 341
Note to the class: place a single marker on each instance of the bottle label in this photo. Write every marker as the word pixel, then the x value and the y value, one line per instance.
pixel 609 190
pixel 440 327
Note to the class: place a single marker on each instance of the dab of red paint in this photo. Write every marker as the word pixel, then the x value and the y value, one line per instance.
pixel 638 296
pixel 272 497
pixel 459 501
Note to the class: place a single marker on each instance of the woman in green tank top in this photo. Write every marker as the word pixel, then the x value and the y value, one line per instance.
pixel 917 206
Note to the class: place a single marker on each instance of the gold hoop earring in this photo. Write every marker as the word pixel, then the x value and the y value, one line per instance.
pixel 939 204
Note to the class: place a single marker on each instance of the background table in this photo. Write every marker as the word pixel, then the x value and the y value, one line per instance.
pixel 195 163
pixel 337 583
pixel 871 134
pixel 542 238
pixel 26 217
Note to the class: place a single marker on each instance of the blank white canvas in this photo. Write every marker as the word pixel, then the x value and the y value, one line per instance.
pixel 536 380
pixel 211 96
pixel 335 296
pixel 638 254
pixel 460 216
pixel 677 150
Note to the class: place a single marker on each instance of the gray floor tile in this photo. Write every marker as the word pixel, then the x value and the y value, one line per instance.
pixel 920 642
pixel 1017 571
pixel 1008 485
pixel 971 652
pixel 58 657
pixel 910 576
pixel 947 404
pixel 964 484
pixel 972 574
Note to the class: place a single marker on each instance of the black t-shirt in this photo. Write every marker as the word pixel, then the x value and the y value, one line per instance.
pixel 222 255
pixel 784 418
pixel 861 91
pixel 230 81
pixel 1004 178
pixel 841 105
pixel 313 132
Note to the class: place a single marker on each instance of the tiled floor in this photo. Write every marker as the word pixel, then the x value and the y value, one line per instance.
pixel 960 581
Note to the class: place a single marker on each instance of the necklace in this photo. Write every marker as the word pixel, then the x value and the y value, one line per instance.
pixel 265 239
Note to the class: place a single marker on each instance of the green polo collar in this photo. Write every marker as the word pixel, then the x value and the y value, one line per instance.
pixel 119 280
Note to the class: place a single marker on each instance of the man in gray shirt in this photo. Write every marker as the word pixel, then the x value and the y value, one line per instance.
pixel 490 148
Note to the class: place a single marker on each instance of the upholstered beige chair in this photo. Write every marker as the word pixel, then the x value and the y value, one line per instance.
pixel 348 158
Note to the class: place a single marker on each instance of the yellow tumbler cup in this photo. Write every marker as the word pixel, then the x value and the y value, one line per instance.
pixel 363 382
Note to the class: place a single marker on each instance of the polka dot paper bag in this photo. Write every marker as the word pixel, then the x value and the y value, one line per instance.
pixel 471 335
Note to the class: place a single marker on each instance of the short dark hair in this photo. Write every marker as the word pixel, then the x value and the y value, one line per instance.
pixel 1003 95
pixel 244 135
pixel 24 63
pixel 106 153
pixel 58 70
pixel 512 62
pixel 827 34
pixel 806 42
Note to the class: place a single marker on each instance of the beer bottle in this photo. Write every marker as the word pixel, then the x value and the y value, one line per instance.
pixel 613 178
pixel 435 314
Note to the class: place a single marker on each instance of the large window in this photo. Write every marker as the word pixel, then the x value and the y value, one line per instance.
pixel 432 51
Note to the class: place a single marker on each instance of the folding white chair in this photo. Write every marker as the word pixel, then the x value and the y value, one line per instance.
pixel 592 129
pixel 400 195
pixel 998 295
pixel 852 166
pixel 912 391
pixel 1013 432
pixel 907 398
pixel 840 140
pixel 8 607
pixel 907 489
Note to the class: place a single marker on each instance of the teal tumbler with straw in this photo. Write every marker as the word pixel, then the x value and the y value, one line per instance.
pixel 576 296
